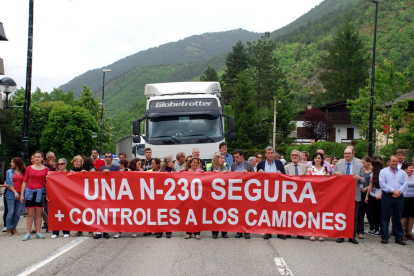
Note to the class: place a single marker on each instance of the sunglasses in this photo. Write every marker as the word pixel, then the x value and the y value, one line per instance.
pixel 108 156
pixel 60 164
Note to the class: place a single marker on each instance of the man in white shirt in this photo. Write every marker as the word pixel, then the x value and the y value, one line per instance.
pixel 179 165
pixel 393 182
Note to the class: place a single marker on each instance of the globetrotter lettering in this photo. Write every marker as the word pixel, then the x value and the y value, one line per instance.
pixel 182 103
pixel 187 201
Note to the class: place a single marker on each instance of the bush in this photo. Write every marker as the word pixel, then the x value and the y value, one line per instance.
pixel 361 148
pixel 404 141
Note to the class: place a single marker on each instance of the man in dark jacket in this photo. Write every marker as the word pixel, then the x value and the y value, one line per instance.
pixel 271 165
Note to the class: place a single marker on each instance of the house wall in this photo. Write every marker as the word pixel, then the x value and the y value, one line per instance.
pixel 340 131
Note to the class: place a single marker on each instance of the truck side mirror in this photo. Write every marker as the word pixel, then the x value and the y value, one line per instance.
pixel 230 123
pixel 136 139
pixel 232 136
pixel 136 128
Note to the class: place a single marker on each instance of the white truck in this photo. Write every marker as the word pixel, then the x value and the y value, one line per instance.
pixel 181 116
pixel 133 150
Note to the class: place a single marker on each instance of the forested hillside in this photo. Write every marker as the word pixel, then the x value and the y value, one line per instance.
pixel 301 50
pixel 300 46
pixel 191 49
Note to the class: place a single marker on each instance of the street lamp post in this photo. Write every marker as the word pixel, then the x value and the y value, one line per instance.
pixel 26 106
pixel 371 106
pixel 274 123
pixel 102 106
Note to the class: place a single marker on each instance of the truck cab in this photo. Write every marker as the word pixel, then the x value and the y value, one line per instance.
pixel 181 116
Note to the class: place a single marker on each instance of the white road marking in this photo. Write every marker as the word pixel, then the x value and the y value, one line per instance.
pixel 282 266
pixel 51 257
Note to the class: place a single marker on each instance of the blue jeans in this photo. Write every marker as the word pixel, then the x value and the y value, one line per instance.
pixel 13 214
pixel 391 206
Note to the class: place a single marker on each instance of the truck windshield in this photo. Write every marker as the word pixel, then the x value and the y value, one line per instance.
pixel 185 127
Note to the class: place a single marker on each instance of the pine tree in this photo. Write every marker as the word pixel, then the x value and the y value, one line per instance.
pixel 345 65
pixel 268 75
pixel 210 74
pixel 244 112
pixel 236 62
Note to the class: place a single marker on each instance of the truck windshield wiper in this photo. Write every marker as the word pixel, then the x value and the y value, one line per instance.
pixel 172 138
pixel 201 134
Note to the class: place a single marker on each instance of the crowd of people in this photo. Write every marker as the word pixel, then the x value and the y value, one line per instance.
pixel 383 193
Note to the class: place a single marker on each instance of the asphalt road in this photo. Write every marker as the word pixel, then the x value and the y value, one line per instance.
pixel 177 256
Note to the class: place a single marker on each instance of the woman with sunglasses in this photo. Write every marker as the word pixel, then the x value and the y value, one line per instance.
pixel 61 167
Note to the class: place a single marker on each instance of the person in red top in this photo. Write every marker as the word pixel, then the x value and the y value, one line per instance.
pixel 33 193
pixel 96 161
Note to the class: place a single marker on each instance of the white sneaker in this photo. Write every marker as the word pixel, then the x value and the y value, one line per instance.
pixel 4 229
pixel 53 236
pixel 134 235
pixel 66 235
pixel 117 235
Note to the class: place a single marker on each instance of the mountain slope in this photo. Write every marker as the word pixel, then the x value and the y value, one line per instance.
pixel 190 49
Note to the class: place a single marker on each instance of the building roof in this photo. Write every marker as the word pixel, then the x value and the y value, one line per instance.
pixel 409 95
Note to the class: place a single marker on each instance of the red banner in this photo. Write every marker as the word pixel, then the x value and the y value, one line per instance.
pixel 193 201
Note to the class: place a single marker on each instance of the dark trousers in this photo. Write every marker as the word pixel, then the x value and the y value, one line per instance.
pixel 375 208
pixel 391 207
pixel 356 218
pixel 363 209
pixel 215 233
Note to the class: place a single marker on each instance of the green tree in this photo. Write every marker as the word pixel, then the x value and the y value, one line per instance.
pixel 268 75
pixel 236 62
pixel 89 102
pixel 57 95
pixel 244 112
pixel 389 84
pixel 345 67
pixel 92 104
pixel 269 81
pixel 210 74
pixel 284 120
pixel 69 131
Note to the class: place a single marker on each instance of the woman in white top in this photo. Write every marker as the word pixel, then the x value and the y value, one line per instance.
pixel 373 198
pixel 317 168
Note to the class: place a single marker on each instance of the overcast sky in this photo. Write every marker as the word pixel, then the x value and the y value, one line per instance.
pixel 74 36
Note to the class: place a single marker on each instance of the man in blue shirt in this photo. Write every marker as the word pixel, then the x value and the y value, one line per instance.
pixel 228 157
pixel 393 182
pixel 109 167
